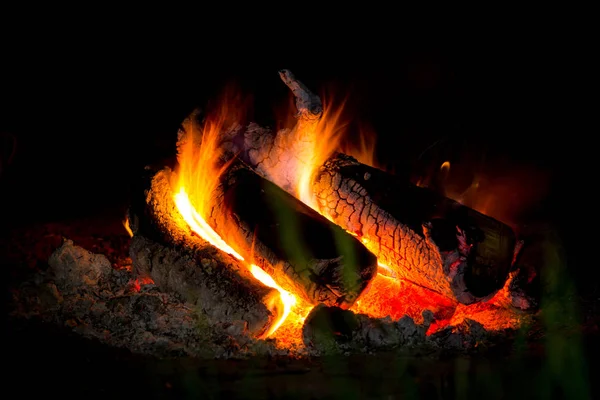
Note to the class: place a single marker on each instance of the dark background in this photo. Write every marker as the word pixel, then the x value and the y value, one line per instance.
pixel 88 112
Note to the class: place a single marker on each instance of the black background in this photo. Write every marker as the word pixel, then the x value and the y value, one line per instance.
pixel 88 110
pixel 89 107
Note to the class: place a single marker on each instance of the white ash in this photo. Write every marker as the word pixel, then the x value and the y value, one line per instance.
pixel 81 292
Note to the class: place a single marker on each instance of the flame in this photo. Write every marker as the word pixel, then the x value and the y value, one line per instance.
pixel 388 295
pixel 365 150
pixel 325 137
pixel 288 299
pixel 199 225
pixel 200 167
pixel 197 177
pixel 126 226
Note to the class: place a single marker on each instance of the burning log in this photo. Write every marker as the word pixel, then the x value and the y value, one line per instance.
pixel 301 250
pixel 429 240
pixel 164 248
pixel 282 156
pixel 298 248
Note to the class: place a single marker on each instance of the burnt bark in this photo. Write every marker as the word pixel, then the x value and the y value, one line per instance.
pixel 303 251
pixel 164 248
pixel 425 238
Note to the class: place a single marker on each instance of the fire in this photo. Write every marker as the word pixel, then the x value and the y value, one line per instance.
pixel 365 150
pixel 199 225
pixel 325 137
pixel 388 295
pixel 126 226
pixel 197 177
pixel 201 165
pixel 289 300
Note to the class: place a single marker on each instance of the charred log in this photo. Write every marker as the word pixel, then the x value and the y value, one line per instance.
pixel 303 251
pixel 425 238
pixel 164 248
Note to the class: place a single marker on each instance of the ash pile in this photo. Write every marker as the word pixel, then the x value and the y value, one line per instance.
pixel 83 292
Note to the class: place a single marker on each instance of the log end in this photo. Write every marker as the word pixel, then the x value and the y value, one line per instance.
pixel 308 104
pixel 178 261
pixel 428 239
pixel 477 252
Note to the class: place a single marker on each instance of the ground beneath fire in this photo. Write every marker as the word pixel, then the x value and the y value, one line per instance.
pixel 56 359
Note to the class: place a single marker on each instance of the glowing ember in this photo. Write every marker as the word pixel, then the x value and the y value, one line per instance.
pixel 386 271
pixel 396 298
pixel 139 282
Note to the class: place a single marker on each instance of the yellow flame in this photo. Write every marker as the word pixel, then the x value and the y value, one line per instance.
pixel 126 226
pixel 199 225
pixel 365 150
pixel 288 299
pixel 325 138
pixel 198 175
pixel 445 166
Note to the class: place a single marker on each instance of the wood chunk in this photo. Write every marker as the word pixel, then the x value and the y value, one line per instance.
pixel 164 248
pixel 425 238
pixel 303 251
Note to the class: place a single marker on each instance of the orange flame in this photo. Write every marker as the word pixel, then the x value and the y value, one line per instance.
pixel 200 167
pixel 197 177
pixel 288 299
pixel 445 166
pixel 199 225
pixel 388 295
pixel 126 226
pixel 325 137
pixel 365 150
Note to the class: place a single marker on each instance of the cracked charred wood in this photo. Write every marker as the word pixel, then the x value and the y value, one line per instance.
pixel 164 248
pixel 425 238
pixel 422 237
pixel 303 251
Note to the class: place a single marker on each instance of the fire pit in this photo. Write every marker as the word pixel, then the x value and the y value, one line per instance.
pixel 262 242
